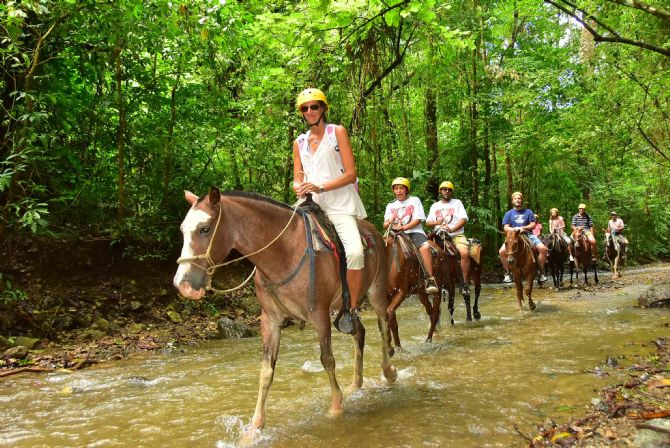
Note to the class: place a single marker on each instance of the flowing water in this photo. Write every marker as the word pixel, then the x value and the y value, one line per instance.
pixel 469 388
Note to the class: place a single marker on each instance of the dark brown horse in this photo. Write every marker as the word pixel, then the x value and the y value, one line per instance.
pixel 443 241
pixel 521 259
pixel 406 277
pixel 273 237
pixel 557 256
pixel 584 259
pixel 615 251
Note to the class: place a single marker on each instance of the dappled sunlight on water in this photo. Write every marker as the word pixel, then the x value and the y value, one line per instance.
pixel 468 388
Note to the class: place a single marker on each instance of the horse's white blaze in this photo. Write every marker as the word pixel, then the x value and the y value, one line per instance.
pixel 190 225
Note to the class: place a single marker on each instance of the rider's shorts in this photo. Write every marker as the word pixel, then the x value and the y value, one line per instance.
pixel 460 240
pixel 418 238
pixel 533 239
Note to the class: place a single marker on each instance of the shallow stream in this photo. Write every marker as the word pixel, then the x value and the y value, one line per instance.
pixel 469 388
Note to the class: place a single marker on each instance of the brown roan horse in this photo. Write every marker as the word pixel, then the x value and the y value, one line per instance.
pixel 615 250
pixel 522 261
pixel 273 237
pixel 406 277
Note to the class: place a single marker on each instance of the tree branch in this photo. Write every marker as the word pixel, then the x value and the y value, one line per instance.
pixel 616 38
pixel 661 13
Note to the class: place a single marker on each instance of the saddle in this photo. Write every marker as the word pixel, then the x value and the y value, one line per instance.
pixel 474 245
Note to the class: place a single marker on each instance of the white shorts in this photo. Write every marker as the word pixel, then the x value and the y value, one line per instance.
pixel 347 230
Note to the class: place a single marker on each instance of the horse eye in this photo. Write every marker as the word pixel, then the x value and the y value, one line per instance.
pixel 204 231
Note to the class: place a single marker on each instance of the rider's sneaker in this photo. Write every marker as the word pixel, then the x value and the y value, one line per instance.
pixel 572 258
pixel 543 278
pixel 507 279
pixel 431 286
pixel 345 321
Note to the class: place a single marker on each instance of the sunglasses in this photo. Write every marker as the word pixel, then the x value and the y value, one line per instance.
pixel 304 109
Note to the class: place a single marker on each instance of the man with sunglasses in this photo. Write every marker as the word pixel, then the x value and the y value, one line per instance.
pixel 324 165
pixel 449 215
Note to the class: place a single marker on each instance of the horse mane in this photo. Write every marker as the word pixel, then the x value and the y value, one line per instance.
pixel 256 197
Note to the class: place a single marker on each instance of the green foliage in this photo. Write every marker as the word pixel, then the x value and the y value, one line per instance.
pixel 150 98
pixel 8 293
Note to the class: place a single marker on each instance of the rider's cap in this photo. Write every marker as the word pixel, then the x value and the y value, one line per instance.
pixel 553 210
pixel 517 193
pixel 310 95
pixel 401 181
pixel 446 184
pixel 582 205
pixel 613 214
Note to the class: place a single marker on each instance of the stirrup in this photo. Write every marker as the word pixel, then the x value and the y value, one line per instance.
pixel 345 321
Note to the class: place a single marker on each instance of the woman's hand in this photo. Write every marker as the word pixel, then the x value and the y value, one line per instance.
pixel 307 187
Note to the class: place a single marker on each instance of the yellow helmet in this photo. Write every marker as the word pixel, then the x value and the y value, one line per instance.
pixel 310 95
pixel 401 181
pixel 446 184
pixel 517 193
pixel 582 205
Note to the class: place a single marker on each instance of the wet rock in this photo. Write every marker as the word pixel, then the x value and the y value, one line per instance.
pixel 654 434
pixel 101 324
pixel 4 343
pixel 230 329
pixel 18 352
pixel 91 333
pixel 27 342
pixel 600 405
pixel 611 362
pixel 174 316
pixel 656 296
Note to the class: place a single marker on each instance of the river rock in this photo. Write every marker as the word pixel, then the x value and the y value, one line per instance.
pixel 655 296
pixel 230 329
pixel 649 438
pixel 27 342
pixel 4 343
pixel 18 352
pixel 101 324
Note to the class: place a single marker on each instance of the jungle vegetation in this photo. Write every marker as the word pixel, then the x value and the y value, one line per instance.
pixel 110 109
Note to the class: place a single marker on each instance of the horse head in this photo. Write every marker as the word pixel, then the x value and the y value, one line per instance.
pixel 198 254
pixel 511 245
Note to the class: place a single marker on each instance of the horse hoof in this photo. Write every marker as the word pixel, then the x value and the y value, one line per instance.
pixel 250 437
pixel 469 318
pixel 452 321
pixel 391 374
pixel 477 315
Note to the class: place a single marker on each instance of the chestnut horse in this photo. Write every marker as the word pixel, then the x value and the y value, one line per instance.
pixel 405 277
pixel 441 239
pixel 584 259
pixel 557 256
pixel 273 237
pixel 615 251
pixel 521 259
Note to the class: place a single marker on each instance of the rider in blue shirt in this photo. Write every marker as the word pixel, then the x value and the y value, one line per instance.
pixel 523 219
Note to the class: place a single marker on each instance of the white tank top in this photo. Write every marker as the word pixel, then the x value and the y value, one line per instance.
pixel 323 166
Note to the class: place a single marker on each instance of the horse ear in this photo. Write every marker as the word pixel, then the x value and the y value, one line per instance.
pixel 190 197
pixel 214 196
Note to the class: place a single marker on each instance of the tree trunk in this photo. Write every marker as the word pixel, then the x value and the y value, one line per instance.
pixel 120 135
pixel 431 140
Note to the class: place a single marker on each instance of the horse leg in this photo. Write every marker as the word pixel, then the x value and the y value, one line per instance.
pixel 477 280
pixel 451 291
pixel 595 273
pixel 519 290
pixel 529 290
pixel 393 305
pixel 378 299
pixel 359 345
pixel 434 312
pixel 321 320
pixel 270 332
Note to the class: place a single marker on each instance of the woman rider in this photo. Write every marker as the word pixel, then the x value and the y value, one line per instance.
pixel 325 166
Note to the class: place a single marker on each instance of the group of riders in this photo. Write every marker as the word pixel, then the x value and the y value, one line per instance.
pixel 324 166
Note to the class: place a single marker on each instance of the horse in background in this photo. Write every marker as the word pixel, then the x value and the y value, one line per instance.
pixel 557 256
pixel 292 279
pixel 522 261
pixel 443 240
pixel 583 259
pixel 406 277
pixel 615 251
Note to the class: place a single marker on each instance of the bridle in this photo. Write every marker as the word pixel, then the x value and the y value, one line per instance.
pixel 213 266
